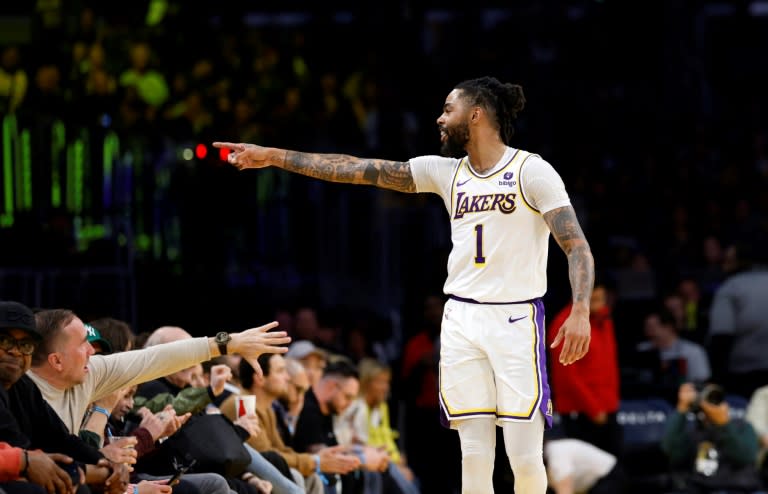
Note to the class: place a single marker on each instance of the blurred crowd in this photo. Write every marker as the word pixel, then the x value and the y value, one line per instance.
pixel 663 149
pixel 662 181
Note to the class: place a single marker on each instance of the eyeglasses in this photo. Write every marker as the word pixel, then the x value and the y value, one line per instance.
pixel 25 346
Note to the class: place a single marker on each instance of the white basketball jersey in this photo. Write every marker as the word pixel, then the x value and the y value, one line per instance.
pixel 500 239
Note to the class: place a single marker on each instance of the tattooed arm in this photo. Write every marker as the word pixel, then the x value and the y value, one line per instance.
pixel 565 229
pixel 342 168
pixel 576 330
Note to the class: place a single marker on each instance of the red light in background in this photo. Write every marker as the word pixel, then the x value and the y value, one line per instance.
pixel 201 151
pixel 223 154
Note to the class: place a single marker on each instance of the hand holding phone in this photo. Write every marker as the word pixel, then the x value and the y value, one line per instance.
pixel 180 470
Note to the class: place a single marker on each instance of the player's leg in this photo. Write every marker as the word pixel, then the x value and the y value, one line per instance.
pixel 478 451
pixel 523 442
pixel 468 392
pixel 516 352
pixel 467 387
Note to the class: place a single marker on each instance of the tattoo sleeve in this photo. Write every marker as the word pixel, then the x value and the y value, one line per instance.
pixel 567 232
pixel 395 175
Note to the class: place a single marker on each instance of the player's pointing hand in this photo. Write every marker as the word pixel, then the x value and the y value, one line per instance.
pixel 244 155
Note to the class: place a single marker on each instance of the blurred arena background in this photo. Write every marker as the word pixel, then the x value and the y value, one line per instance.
pixel 114 201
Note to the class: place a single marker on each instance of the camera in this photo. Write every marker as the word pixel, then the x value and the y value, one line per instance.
pixel 710 393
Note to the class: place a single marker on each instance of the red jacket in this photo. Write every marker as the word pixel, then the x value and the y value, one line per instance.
pixel 418 349
pixel 10 462
pixel 590 385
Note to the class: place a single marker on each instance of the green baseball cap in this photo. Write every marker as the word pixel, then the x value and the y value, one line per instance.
pixel 95 337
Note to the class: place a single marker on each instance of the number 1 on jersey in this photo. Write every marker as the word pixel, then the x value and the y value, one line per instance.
pixel 479 258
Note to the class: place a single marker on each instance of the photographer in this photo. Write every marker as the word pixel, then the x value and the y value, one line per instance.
pixel 711 451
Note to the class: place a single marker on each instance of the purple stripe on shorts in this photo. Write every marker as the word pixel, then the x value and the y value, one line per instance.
pixel 544 404
pixel 444 420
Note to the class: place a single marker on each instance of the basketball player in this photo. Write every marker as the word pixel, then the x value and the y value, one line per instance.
pixel 503 203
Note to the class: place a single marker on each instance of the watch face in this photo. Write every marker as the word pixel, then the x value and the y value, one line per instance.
pixel 222 339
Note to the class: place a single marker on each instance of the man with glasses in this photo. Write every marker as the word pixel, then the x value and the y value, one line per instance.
pixel 22 405
pixel 26 346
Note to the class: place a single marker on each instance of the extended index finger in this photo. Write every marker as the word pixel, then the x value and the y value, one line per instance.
pixel 268 326
pixel 229 145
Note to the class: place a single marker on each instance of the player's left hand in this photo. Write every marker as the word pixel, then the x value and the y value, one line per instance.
pixel 575 334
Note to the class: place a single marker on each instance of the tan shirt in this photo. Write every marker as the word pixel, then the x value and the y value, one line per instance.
pixel 270 439
pixel 109 373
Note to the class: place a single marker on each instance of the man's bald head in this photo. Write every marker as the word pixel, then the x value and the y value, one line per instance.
pixel 166 334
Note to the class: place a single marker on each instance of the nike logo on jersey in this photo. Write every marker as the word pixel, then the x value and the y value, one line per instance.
pixel 459 184
pixel 515 320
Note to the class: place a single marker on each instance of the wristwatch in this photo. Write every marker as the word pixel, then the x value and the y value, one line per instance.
pixel 221 339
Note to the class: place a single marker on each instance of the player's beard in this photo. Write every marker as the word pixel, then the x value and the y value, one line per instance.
pixel 455 141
